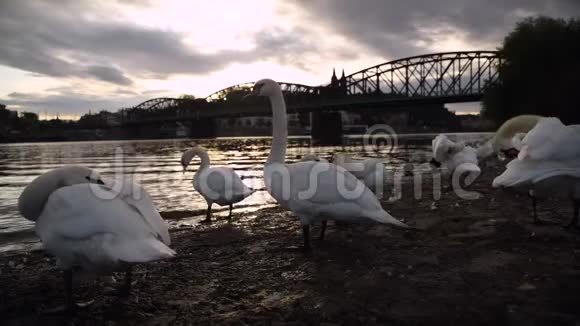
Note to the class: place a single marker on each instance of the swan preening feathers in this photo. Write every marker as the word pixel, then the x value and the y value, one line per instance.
pixel 85 223
pixel 220 185
pixel 508 137
pixel 548 163
pixel 314 191
pixel 456 157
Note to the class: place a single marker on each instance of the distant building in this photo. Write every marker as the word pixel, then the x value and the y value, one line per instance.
pixel 11 114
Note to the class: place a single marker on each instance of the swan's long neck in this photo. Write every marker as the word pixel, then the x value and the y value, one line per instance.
pixel 32 200
pixel 190 154
pixel 279 130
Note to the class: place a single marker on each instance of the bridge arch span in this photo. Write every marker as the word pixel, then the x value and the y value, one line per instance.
pixel 435 74
pixel 287 88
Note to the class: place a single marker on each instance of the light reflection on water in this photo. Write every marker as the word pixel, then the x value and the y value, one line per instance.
pixel 156 165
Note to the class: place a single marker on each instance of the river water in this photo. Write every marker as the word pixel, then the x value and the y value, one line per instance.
pixel 156 165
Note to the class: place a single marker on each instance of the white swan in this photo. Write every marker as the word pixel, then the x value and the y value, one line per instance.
pixel 220 185
pixel 370 171
pixel 456 157
pixel 508 136
pixel 548 164
pixel 314 191
pixel 87 224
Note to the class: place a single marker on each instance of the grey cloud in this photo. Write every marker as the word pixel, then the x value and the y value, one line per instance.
pixel 109 74
pixel 52 38
pixel 67 101
pixel 393 28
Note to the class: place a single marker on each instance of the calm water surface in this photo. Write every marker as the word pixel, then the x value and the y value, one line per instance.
pixel 155 164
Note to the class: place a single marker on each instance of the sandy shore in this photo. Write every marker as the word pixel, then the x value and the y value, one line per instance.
pixel 475 262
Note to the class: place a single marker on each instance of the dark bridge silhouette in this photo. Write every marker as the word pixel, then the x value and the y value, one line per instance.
pixel 436 78
pixel 449 77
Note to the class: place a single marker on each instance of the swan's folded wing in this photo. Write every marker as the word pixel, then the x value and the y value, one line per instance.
pixel 527 172
pixel 90 221
pixel 324 183
pixel 223 181
pixel 550 139
pixel 137 198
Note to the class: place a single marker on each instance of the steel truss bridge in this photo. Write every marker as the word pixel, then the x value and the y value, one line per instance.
pixel 431 78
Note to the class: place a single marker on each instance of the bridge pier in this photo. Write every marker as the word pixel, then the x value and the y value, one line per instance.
pixel 326 128
pixel 202 128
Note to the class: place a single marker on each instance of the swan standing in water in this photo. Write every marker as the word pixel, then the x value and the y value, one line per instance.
pixel 84 223
pixel 548 164
pixel 220 185
pixel 314 191
pixel 456 157
pixel 370 171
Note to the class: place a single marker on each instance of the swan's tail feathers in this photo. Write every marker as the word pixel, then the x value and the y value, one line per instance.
pixel 142 251
pixel 386 218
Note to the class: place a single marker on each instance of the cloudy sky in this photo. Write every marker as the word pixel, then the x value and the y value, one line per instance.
pixel 69 56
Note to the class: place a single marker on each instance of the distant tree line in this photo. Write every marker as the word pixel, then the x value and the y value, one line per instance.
pixel 539 73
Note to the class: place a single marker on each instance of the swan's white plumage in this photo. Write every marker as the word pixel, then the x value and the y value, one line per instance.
pixel 456 157
pixel 220 185
pixel 334 193
pixel 550 150
pixel 97 226
pixel 211 184
pixel 503 137
pixel 509 135
pixel 312 190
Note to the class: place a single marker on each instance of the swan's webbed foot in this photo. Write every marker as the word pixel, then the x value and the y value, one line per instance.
pixel 70 307
pixel 124 290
